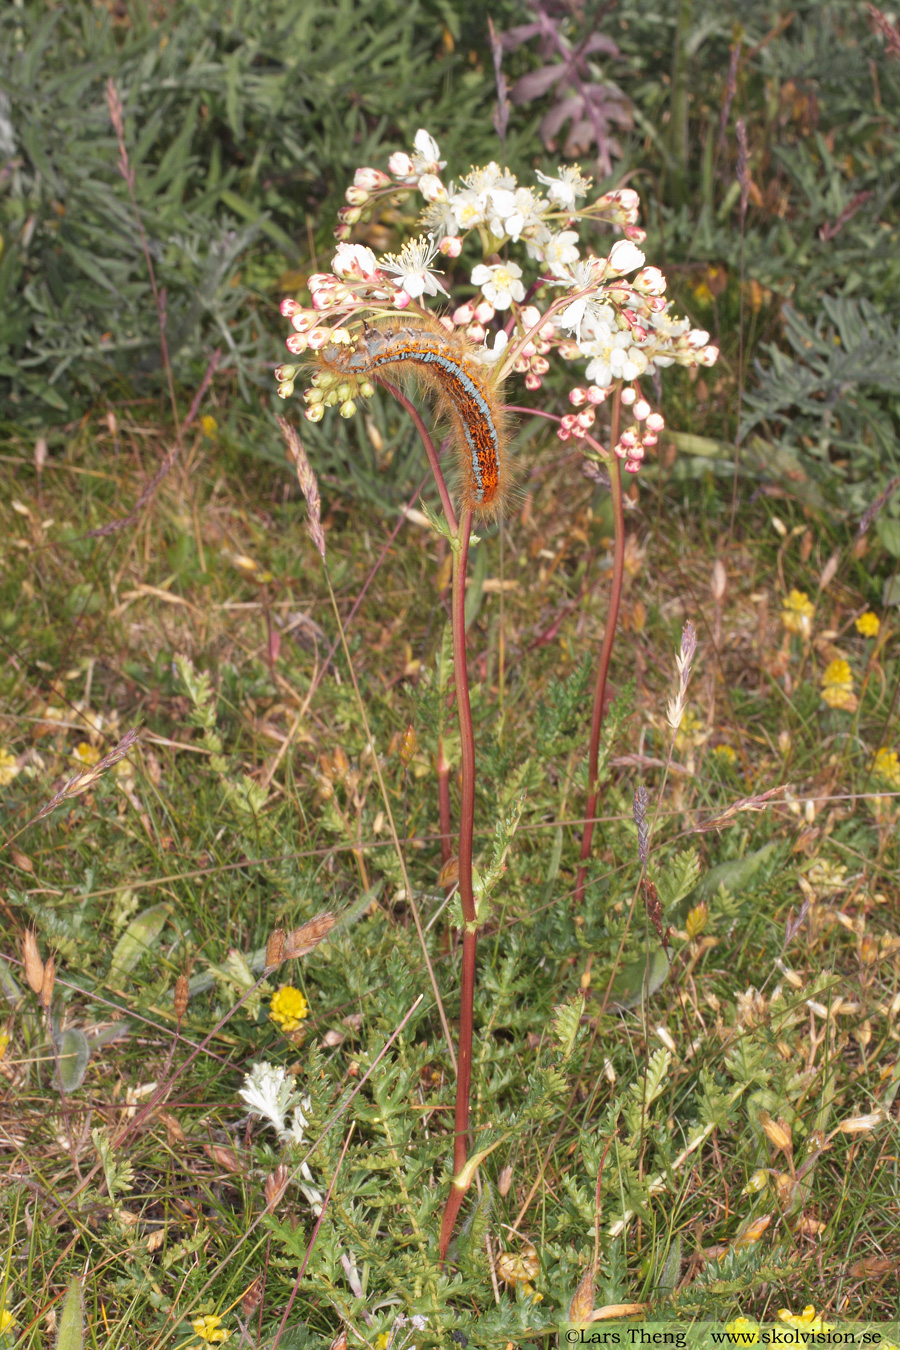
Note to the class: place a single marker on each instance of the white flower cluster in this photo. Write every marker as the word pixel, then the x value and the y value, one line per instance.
pixel 271 1095
pixel 620 327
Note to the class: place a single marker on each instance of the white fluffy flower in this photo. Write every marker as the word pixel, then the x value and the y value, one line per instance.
pixel 499 283
pixel 411 267
pixel 564 189
pixel 270 1094
pixel 469 208
pixel 560 251
pixel 426 157
pixel 624 257
pixel 354 260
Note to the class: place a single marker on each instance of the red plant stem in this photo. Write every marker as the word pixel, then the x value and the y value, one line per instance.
pixel 443 777
pixel 430 452
pixel 466 894
pixel 612 617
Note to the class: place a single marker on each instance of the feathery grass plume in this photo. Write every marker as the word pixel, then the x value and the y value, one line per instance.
pixel 683 660
pixel 34 966
pixel 759 802
pixel 639 810
pixel 180 1000
pixel 275 949
pixel 308 485
pixel 302 940
pixel 86 778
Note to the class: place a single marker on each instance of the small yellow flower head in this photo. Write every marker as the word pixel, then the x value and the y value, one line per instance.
pixel 209 424
pixel 288 1008
pixel 746 1331
pixel 210 1329
pixel 87 754
pixel 868 624
pixel 7 1321
pixel 797 612
pixel 726 754
pixel 887 766
pixel 837 686
pixel 381 1342
pixel 805 1321
pixel 9 768
pixel 4 1042
pixel 690 733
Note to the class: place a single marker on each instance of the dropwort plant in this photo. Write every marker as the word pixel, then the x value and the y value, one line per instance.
pixel 464 333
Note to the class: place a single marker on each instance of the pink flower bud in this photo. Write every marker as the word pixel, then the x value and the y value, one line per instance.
pixel 641 409
pixel 709 356
pixel 650 281
pixel 521 365
pixel 533 381
pixel 356 196
pixel 619 450
pixel 635 234
pixel 451 246
pixel 400 165
pixel 563 434
pixel 296 343
pixel 315 412
pixel 657 305
pixel 283 373
pixel 531 315
pixel 475 332
pixel 370 179
pixel 569 351
pixel 697 337
pixel 286 389
pixel 648 439
pixel 586 418
pixel 318 338
pixel 628 440
pixel 547 333
pixel 464 314
pixel 579 432
pixel 484 312
pixel 632 466
pixel 628 396
pixel 577 396
pixel 544 347
pixel 288 308
pixel 301 322
pixel 323 300
pixel 596 394
pixel 638 333
pixel 342 232
pixel 568 421
pixel 401 299
pixel 540 365
pixel 655 422
pixel 529 350
pixel 349 215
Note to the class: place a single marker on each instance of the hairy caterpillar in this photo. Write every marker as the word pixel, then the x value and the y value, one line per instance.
pixel 462 389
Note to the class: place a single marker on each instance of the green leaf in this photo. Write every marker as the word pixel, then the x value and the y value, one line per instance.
pixel 735 875
pixel 640 977
pixel 669 1270
pixel 138 939
pixel 71 1323
pixel 73 1052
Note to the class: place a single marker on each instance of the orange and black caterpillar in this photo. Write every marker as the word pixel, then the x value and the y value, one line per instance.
pixel 462 388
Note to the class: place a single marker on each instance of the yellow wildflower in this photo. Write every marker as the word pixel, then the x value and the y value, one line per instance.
pixel 797 612
pixel 690 733
pixel 9 768
pixel 726 753
pixel 743 1331
pixel 887 766
pixel 288 1008
pixel 837 686
pixel 868 624
pixel 88 754
pixel 382 1341
pixel 4 1042
pixel 805 1321
pixel 210 1329
pixel 209 424
pixel 7 1321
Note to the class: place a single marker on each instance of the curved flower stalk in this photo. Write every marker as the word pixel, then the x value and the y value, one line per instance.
pixel 535 294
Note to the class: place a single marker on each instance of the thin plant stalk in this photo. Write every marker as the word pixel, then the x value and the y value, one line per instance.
pixel 609 635
pixel 466 891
